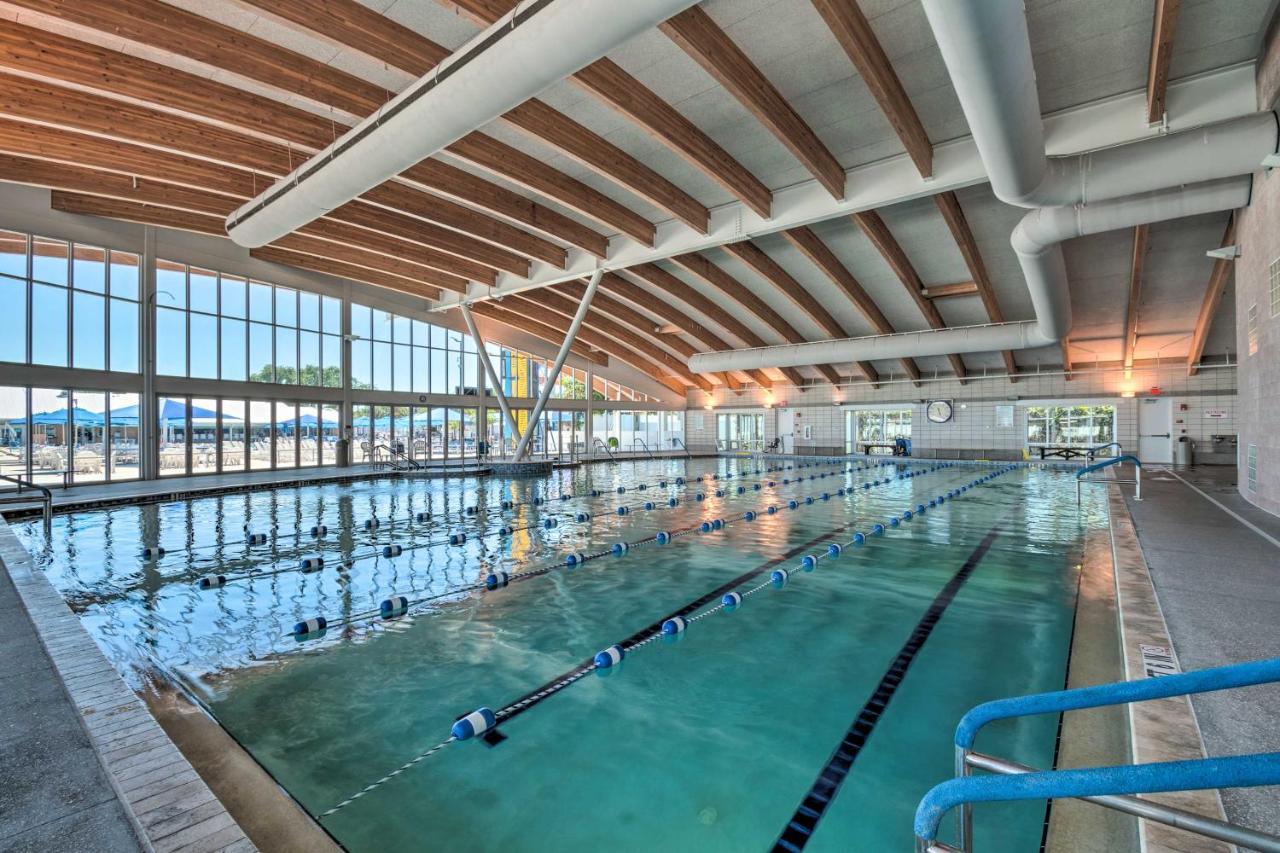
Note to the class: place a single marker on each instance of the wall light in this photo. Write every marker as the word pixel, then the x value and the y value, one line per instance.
pixel 1127 394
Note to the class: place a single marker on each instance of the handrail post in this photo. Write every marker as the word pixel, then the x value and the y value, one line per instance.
pixel 964 815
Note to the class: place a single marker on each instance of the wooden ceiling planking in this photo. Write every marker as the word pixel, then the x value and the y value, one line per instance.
pixel 880 236
pixel 949 206
pixel 853 32
pixel 607 81
pixel 51 56
pixel 771 271
pixel 818 253
pixel 703 268
pixel 1218 279
pixel 697 34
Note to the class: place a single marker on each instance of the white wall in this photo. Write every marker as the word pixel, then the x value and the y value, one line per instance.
pixel 974 424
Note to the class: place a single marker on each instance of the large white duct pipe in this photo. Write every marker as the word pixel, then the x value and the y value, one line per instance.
pixel 1037 241
pixel 987 50
pixel 524 52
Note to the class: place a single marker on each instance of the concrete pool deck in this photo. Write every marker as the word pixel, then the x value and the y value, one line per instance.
pixel 1218 581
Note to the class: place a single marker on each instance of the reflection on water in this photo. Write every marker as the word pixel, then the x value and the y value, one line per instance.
pixel 706 726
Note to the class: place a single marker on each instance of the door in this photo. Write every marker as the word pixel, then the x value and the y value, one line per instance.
pixel 787 430
pixel 1155 428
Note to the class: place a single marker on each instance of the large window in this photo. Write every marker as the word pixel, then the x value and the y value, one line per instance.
pixel 395 353
pixel 525 375
pixel 56 435
pixel 740 432
pixel 875 426
pixel 212 325
pixel 83 300
pixel 602 389
pixel 1070 426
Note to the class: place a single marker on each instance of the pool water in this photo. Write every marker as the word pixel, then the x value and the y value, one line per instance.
pixel 709 740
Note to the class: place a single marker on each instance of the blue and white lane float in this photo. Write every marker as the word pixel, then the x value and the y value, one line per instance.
pixel 661 538
pixel 483 719
pixel 376 523
pixel 455 539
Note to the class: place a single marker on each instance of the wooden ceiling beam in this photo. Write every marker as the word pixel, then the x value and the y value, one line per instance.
pixel 591 335
pixel 853 32
pixel 637 295
pixel 880 236
pixel 50 56
pixel 771 271
pixel 497 313
pixel 163 27
pixel 328 266
pixel 1066 358
pixel 953 214
pixel 703 40
pixel 703 268
pixel 947 291
pixel 813 248
pixel 1212 297
pixel 566 301
pixel 677 289
pixel 68 109
pixel 1163 29
pixel 1137 260
pixel 614 86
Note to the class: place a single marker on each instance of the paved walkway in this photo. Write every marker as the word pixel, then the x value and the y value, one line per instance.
pixel 54 793
pixel 1219 586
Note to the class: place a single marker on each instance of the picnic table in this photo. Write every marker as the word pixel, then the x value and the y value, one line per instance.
pixel 896 449
pixel 1064 452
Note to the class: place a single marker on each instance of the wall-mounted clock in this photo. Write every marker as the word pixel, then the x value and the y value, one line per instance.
pixel 938 411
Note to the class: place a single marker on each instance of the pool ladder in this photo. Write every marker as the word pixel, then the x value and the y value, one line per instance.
pixel 1109 787
pixel 17 497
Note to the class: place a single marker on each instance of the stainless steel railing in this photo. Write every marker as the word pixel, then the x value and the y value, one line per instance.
pixel 46 499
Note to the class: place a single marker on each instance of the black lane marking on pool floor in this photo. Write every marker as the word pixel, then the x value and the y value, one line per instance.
pixel 804 821
pixel 555 685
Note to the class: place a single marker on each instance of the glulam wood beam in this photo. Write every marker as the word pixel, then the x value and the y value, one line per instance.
pixel 1218 279
pixel 1137 260
pixel 887 245
pixel 1164 28
pixel 708 45
pixel 853 32
pixel 553 336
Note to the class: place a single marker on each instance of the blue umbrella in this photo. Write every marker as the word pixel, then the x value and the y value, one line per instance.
pixel 172 412
pixel 55 417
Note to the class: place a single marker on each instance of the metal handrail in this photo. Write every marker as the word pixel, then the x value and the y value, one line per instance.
pixel 680 441
pixel 643 444
pixel 1106 463
pixel 1094 450
pixel 46 499
pixel 597 442
pixel 1107 783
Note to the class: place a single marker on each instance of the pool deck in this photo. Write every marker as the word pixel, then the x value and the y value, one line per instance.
pixel 83 764
pixel 1218 583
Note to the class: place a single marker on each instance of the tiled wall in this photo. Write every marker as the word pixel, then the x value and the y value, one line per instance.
pixel 974 426
pixel 1259 239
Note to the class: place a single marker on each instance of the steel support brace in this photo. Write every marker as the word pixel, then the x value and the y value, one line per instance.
pixel 495 381
pixel 522 448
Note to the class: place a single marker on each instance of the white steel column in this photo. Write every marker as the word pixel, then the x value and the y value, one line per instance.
pixel 494 380
pixel 569 337
pixel 148 444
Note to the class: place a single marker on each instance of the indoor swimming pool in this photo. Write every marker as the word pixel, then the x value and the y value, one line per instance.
pixel 765 689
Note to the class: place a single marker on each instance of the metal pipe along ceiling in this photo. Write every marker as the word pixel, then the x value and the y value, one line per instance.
pixel 520 55
pixel 1166 177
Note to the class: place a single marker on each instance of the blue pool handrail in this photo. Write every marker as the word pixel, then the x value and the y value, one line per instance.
pixel 1237 771
pixel 1106 463
pixel 1228 677
pixel 1102 784
pixel 1098 448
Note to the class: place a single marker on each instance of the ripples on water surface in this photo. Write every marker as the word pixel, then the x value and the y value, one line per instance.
pixel 711 741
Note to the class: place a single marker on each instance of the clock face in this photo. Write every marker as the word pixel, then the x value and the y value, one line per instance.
pixel 939 411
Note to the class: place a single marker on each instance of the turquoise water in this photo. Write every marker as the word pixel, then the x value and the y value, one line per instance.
pixel 710 741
